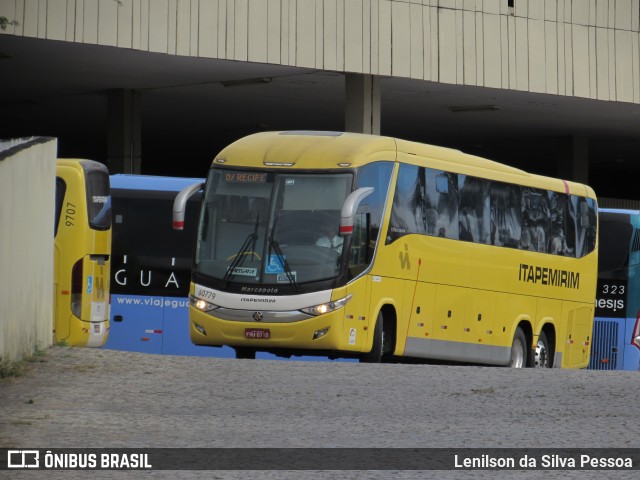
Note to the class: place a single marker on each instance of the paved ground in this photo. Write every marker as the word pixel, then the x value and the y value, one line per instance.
pixel 106 398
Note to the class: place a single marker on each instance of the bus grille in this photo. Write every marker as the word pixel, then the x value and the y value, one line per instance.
pixel 604 347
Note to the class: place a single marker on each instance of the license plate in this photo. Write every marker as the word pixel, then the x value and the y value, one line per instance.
pixel 257 333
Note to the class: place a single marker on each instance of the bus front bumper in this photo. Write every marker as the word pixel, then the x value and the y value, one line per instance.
pixel 323 332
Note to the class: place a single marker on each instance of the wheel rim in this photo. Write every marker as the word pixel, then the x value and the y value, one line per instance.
pixel 542 355
pixel 517 354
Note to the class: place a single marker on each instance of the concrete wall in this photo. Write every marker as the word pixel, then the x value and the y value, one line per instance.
pixel 27 198
pixel 583 48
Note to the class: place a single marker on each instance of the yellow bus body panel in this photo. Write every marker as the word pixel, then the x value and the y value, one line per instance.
pixel 76 242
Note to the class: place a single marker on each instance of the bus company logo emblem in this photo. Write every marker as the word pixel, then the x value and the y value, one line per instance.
pixel 258 316
pixel 23 459
pixel 404 258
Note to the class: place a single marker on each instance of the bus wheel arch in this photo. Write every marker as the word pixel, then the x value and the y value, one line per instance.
pixel 521 352
pixel 384 336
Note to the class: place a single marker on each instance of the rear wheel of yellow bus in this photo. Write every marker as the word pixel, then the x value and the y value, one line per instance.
pixel 518 350
pixel 543 353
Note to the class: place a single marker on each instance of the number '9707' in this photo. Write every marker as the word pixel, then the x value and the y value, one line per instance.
pixel 70 215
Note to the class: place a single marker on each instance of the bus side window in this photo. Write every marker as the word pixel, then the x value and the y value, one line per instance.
pixel 359 253
pixel 378 176
pixel 474 217
pixel 584 213
pixel 61 188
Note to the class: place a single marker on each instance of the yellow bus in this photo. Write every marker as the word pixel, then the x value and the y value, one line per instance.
pixel 82 251
pixel 349 245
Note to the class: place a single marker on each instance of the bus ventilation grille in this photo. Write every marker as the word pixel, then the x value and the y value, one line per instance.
pixel 604 348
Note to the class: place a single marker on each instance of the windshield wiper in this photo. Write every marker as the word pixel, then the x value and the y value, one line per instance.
pixel 273 244
pixel 248 246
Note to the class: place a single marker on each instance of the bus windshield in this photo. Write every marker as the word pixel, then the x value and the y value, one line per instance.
pixel 98 199
pixel 271 228
pixel 615 239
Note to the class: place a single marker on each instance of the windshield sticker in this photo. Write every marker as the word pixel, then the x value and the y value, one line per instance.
pixel 274 265
pixel 246 272
pixel 283 278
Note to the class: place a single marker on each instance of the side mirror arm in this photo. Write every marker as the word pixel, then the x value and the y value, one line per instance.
pixel 180 204
pixel 349 208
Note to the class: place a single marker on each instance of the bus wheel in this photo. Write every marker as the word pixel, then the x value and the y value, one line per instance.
pixel 378 348
pixel 518 350
pixel 543 354
pixel 245 352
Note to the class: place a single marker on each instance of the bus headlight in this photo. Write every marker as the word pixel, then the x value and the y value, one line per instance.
pixel 326 307
pixel 201 305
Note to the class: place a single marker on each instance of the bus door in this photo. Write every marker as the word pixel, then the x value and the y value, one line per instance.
pixel 356 317
pixel 92 272
pixel 359 317
pixel 577 336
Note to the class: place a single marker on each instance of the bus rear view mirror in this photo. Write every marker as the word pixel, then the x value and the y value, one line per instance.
pixel 180 204
pixel 349 208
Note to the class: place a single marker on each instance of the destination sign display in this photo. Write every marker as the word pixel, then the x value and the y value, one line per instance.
pixel 245 177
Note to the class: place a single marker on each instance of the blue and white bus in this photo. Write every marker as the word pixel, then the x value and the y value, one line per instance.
pixel 616 329
pixel 151 266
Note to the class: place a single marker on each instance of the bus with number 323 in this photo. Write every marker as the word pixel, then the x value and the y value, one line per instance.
pixel 350 245
pixel 616 328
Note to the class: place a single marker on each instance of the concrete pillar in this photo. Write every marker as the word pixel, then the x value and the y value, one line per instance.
pixel 362 105
pixel 573 159
pixel 124 148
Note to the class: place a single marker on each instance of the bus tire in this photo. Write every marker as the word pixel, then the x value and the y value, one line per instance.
pixel 378 347
pixel 542 357
pixel 519 350
pixel 245 352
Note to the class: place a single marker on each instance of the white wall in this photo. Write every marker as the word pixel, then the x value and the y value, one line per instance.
pixel 27 197
pixel 584 48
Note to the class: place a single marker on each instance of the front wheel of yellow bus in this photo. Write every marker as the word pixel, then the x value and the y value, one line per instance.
pixel 381 347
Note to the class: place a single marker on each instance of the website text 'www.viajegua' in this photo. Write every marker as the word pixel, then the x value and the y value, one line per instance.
pixel 153 302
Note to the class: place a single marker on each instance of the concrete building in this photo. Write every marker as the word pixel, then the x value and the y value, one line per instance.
pixel 552 86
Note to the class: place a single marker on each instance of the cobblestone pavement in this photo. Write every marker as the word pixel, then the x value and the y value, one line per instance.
pixel 111 399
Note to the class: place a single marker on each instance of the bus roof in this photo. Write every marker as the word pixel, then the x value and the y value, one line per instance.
pixel 619 210
pixel 151 182
pixel 86 164
pixel 303 149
